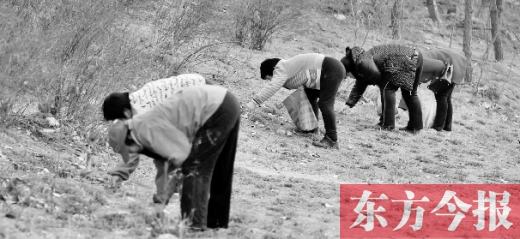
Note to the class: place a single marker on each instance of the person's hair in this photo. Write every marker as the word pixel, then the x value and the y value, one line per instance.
pixel 267 67
pixel 115 104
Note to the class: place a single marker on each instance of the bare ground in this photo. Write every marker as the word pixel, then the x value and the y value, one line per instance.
pixel 283 186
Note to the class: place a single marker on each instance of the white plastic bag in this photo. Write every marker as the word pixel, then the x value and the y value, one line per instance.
pixel 300 110
pixel 428 106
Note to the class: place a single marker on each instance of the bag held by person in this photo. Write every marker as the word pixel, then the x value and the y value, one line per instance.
pixel 443 82
pixel 300 110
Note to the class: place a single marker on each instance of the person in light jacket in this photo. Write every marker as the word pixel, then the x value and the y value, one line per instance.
pixel 321 77
pixel 195 131
pixel 125 105
pixel 447 64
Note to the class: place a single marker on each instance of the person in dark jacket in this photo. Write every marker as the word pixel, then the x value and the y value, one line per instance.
pixel 195 130
pixel 442 64
pixel 390 67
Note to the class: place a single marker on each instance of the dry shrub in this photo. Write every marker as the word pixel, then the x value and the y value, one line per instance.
pixel 256 21
pixel 68 55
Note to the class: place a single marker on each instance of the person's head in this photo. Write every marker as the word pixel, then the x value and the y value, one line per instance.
pixel 349 60
pixel 121 140
pixel 117 106
pixel 267 68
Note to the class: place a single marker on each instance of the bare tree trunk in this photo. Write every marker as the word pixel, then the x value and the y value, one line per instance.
pixel 396 19
pixel 354 8
pixel 495 12
pixel 468 25
pixel 432 9
pixel 483 4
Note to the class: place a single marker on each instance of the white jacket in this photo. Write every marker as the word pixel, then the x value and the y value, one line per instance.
pixel 156 91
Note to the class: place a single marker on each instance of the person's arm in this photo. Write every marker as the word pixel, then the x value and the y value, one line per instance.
pixel 357 91
pixel 125 169
pixel 209 82
pixel 270 89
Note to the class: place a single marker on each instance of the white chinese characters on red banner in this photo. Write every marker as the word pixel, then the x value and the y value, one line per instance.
pixel 389 209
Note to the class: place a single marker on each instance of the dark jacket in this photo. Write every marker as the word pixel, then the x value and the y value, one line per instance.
pixel 459 62
pixel 380 65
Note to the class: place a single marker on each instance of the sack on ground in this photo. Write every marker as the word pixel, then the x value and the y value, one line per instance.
pixel 428 106
pixel 300 110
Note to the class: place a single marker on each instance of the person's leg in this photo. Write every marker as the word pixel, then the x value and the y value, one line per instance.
pixel 413 102
pixel 221 182
pixel 449 114
pixel 199 167
pixel 387 119
pixel 333 72
pixel 442 108
pixel 313 95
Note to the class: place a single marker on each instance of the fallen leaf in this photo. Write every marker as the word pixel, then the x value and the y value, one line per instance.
pixel 48 131
pixel 84 173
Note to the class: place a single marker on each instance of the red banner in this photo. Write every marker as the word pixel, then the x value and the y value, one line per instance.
pixel 430 211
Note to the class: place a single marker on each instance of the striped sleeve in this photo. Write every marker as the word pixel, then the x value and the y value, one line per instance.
pixel 268 91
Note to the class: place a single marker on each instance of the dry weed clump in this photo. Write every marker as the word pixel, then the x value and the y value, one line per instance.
pixel 63 58
pixel 256 21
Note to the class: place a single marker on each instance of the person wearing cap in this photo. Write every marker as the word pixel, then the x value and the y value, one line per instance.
pixel 321 77
pixel 195 131
pixel 448 64
pixel 124 105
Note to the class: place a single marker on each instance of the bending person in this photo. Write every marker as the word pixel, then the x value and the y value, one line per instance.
pixel 321 77
pixel 125 105
pixel 195 131
pixel 390 67
pixel 448 65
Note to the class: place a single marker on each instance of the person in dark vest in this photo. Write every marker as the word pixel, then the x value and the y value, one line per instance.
pixel 448 65
pixel 321 77
pixel 195 131
pixel 390 67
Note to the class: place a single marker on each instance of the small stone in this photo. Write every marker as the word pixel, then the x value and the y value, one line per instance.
pixel 167 236
pixel 288 133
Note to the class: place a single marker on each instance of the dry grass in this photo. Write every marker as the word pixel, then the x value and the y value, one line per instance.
pixel 283 186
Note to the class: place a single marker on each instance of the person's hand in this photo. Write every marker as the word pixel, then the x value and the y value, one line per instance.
pixel 158 209
pixel 345 109
pixel 251 105
pixel 115 181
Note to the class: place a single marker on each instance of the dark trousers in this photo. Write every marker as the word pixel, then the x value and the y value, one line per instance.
pixel 332 73
pixel 387 119
pixel 208 170
pixel 444 114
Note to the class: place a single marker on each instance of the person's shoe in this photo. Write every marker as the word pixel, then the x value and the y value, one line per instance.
pixel 411 131
pixel 313 131
pixel 387 128
pixel 438 129
pixel 405 128
pixel 326 142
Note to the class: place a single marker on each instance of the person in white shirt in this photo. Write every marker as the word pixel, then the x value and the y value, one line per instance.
pixel 194 131
pixel 125 105
pixel 321 77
